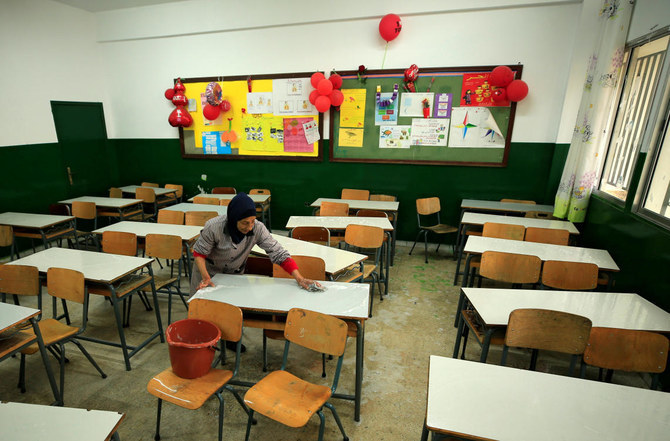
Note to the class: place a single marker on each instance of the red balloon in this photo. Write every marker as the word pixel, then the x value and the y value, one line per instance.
pixel 179 87
pixel 390 26
pixel 211 112
pixel 313 95
pixel 335 80
pixel 501 76
pixel 316 79
pixel 225 106
pixel 179 99
pixel 324 87
pixel 180 117
pixel 169 93
pixel 322 104
pixel 517 90
pixel 499 95
pixel 336 98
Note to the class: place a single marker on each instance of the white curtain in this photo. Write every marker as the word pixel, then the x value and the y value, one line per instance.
pixel 591 132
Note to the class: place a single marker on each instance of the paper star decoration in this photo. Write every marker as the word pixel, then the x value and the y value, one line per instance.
pixel 465 126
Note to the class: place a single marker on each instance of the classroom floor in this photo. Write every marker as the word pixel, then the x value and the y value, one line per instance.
pixel 413 322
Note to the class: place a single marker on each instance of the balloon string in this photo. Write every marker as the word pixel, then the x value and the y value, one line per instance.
pixel 384 59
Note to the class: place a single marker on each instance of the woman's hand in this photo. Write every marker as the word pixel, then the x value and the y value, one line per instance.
pixel 205 283
pixel 305 283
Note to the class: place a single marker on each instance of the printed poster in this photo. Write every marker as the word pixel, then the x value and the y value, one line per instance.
pixel 386 115
pixel 477 90
pixel 262 133
pixel 395 137
pixel 294 136
pixel 291 97
pixel 352 110
pixel 212 145
pixel 412 104
pixel 474 127
pixel 443 104
pixel 430 131
pixel 259 102
pixel 311 131
pixel 350 137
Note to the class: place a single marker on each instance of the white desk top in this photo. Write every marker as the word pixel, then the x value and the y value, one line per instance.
pixel 602 258
pixel 604 309
pixel 96 267
pixel 186 232
pixel 11 315
pixel 358 205
pixel 257 198
pixel 104 202
pixel 29 422
pixel 338 222
pixel 31 220
pixel 531 406
pixel 158 191
pixel 344 300
pixel 471 218
pixel 511 207
pixel 221 209
pixel 336 259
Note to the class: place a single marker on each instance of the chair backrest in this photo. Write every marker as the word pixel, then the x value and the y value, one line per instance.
pixel 503 231
pixel 547 235
pixel 509 267
pixel 518 201
pixel 259 191
pixel 578 276
pixel 84 210
pixel 224 190
pixel 66 284
pixel 179 188
pixel 21 280
pixel 224 202
pixel 59 209
pixel 199 218
pixel 119 242
pixel 359 195
pixel 150 184
pixel 549 330
pixel 115 192
pixel 170 217
pixel 310 267
pixel 371 213
pixel 382 197
pixel 312 234
pixel 205 200
pixel 428 206
pixel 6 235
pixel 364 236
pixel 627 350
pixel 334 209
pixel 163 246
pixel 147 195
pixel 316 331
pixel 227 318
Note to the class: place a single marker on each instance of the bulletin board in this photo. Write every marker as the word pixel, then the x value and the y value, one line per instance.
pixel 270 118
pixel 451 118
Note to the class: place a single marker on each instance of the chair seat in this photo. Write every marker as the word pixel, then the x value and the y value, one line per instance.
pixel 52 331
pixel 162 281
pixel 10 344
pixel 273 334
pixel 286 398
pixel 121 287
pixel 441 229
pixel 349 275
pixel 498 337
pixel 188 393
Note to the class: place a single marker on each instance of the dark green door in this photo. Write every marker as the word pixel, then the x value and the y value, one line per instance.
pixel 82 137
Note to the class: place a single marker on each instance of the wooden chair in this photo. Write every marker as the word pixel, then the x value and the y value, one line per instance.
pixel 85 212
pixel 224 202
pixel 358 195
pixel 334 209
pixel 148 196
pixel 179 194
pixel 199 218
pixel 192 393
pixel 385 198
pixel 547 235
pixel 626 350
pixel 503 231
pixel 150 184
pixel 430 208
pixel 165 246
pixel 310 267
pixel 7 240
pixel 519 201
pixel 205 200
pixel 543 329
pixel 371 213
pixel 224 190
pixel 65 284
pixel 265 209
pixel 170 217
pixel 569 276
pixel 289 399
pixel 319 235
pixel 20 280
pixel 115 192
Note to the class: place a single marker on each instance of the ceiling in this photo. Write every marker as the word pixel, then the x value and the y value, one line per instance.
pixel 110 5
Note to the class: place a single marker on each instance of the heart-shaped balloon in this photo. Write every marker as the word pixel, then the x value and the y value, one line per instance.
pixel 411 73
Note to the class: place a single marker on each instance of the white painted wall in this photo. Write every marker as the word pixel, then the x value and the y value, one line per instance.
pixel 648 16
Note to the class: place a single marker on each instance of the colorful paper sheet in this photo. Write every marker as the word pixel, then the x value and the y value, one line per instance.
pixel 291 97
pixel 294 135
pixel 311 131
pixel 429 131
pixel 352 110
pixel 350 137
pixel 443 104
pixel 474 127
pixel 395 137
pixel 259 102
pixel 411 104
pixel 386 115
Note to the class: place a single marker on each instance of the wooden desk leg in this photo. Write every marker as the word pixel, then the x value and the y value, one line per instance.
pixel 45 360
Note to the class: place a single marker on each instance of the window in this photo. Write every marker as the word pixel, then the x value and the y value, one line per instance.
pixel 640 92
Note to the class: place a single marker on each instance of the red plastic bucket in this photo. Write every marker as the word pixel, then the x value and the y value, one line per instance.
pixel 191 343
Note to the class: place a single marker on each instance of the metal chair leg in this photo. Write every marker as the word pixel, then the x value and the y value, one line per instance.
pixel 337 420
pixel 220 397
pixel 157 436
pixel 251 416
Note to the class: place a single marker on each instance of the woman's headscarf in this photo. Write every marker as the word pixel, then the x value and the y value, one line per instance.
pixel 240 207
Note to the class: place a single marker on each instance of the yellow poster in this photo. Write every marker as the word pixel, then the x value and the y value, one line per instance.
pixel 350 137
pixel 352 110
